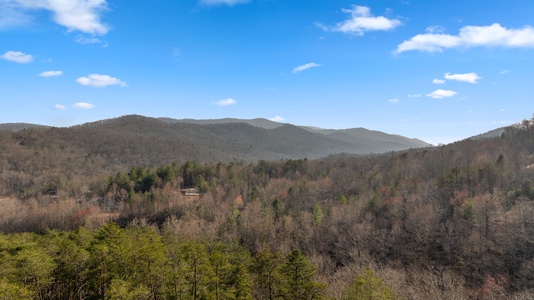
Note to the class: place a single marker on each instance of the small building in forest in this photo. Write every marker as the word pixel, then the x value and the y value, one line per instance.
pixel 190 192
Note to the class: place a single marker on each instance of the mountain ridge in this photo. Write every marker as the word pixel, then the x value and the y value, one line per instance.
pixel 359 132
pixel 139 140
pixel 268 124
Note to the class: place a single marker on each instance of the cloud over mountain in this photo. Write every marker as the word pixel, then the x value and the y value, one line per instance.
pixel 50 74
pixel 361 20
pixel 467 77
pixel 83 105
pixel 305 67
pixel 75 15
pixel 226 102
pixel 17 56
pixel 439 94
pixel 97 80
pixel 494 35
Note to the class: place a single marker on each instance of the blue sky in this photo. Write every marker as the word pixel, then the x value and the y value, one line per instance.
pixel 435 70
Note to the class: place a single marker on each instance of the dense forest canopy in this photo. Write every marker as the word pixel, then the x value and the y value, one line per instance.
pixel 449 222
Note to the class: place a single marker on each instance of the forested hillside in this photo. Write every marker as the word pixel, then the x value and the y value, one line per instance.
pixel 33 158
pixel 450 222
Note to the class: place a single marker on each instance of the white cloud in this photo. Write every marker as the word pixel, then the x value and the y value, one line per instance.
pixel 60 107
pixel 76 15
pixel 17 57
pixel 414 96
pixel 226 102
pixel 467 77
pixel 439 94
pixel 494 35
pixel 438 81
pixel 505 72
pixel 305 67
pixel 361 21
pixel 88 40
pixel 277 119
pixel 393 101
pixel 51 74
pixel 225 2
pixel 83 105
pixel 97 80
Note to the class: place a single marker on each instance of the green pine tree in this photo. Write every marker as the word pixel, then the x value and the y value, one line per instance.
pixel 369 287
pixel 268 278
pixel 298 281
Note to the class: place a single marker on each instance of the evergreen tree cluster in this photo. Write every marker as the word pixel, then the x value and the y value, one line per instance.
pixel 140 263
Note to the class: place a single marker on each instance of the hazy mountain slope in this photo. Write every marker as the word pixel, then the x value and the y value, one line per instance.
pixel 136 140
pixel 258 122
pixel 361 139
pixel 490 134
pixel 250 142
pixel 14 127
pixel 368 141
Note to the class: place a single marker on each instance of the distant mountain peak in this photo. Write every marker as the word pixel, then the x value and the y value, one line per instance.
pixel 248 139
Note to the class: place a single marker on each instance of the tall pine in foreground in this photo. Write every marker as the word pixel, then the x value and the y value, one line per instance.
pixel 297 274
pixel 268 278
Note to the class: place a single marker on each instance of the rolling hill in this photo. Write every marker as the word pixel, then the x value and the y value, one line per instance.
pixel 142 140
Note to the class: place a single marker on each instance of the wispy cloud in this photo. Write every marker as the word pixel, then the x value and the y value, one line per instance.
pixel 11 15
pixel 494 35
pixel 435 29
pixel 505 72
pixel 467 77
pixel 224 2
pixel 415 96
pixel 361 20
pixel 83 105
pixel 75 15
pixel 51 74
pixel 438 81
pixel 278 119
pixel 393 101
pixel 226 102
pixel 18 57
pixel 60 107
pixel 84 40
pixel 97 80
pixel 304 67
pixel 439 94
